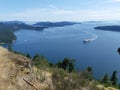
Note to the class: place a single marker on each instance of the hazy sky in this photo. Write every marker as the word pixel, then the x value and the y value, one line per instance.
pixel 60 10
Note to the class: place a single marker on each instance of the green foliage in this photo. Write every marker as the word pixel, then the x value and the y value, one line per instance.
pixel 110 81
pixel 62 80
pixel 7 36
pixel 119 85
pixel 51 64
pixel 114 78
pixel 58 79
pixel 40 61
pixel 105 79
pixel 89 69
pixel 87 74
pixel 18 53
pixel 63 77
pixel 7 30
pixel 6 33
pixel 118 50
pixel 67 64
pixel 10 46
pixel 28 56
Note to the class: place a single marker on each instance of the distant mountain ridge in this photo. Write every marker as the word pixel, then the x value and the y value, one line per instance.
pixel 21 25
pixel 7 28
pixel 55 24
pixel 13 22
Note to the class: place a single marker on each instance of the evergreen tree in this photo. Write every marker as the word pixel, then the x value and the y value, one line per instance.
pixel 40 61
pixel 36 56
pixel 28 56
pixel 89 69
pixel 59 64
pixel 106 79
pixel 89 73
pixel 71 66
pixel 118 50
pixel 114 78
pixel 66 64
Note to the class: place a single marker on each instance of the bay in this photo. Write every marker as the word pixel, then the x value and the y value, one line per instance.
pixel 60 42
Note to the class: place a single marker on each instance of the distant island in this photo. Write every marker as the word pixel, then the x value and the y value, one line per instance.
pixel 16 25
pixel 109 28
pixel 55 24
pixel 8 28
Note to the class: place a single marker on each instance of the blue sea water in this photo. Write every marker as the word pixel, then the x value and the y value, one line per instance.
pixel 60 42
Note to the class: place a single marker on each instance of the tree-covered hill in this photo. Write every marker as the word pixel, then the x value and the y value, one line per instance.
pixel 6 33
pixel 55 24
pixel 109 28
pixel 7 30
pixel 21 25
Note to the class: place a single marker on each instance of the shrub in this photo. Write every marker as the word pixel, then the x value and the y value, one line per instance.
pixel 67 64
pixel 40 62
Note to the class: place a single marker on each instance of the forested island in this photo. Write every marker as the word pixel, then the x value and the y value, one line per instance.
pixel 6 33
pixel 55 24
pixel 109 28
pixel 7 29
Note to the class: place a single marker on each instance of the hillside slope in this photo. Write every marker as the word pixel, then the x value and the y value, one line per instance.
pixel 19 73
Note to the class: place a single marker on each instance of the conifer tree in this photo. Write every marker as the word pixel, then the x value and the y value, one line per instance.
pixel 106 79
pixel 114 78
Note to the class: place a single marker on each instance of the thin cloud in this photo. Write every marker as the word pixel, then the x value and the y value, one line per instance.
pixel 116 0
pixel 53 7
pixel 56 14
pixel 113 0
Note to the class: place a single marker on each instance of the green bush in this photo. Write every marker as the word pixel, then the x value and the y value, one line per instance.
pixel 67 64
pixel 40 62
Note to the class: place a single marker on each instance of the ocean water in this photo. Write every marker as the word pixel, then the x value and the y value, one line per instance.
pixel 60 42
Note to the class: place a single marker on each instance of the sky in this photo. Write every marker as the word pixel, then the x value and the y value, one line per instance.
pixel 60 10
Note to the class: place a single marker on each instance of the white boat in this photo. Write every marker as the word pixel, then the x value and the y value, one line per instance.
pixel 87 40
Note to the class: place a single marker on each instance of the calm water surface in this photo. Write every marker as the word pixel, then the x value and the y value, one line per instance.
pixel 58 43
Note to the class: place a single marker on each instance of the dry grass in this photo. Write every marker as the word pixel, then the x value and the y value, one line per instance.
pixel 16 74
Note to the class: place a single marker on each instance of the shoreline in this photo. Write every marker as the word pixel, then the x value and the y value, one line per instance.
pixel 2 43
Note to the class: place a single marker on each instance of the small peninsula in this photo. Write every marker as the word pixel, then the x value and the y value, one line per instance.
pixel 7 30
pixel 109 28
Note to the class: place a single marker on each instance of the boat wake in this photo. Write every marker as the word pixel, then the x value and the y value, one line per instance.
pixel 94 37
